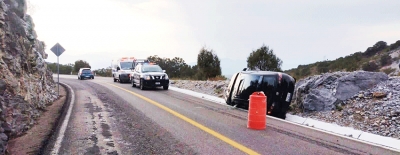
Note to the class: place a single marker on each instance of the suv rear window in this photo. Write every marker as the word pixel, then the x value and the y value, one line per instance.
pixel 269 82
pixel 251 82
pixel 151 68
pixel 86 71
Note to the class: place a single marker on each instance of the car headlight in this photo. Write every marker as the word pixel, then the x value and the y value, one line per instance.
pixel 166 76
pixel 147 77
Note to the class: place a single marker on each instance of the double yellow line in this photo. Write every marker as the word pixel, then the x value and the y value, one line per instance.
pixel 194 123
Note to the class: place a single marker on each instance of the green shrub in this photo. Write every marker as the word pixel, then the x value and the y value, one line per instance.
pixel 218 90
pixel 386 60
pixel 339 107
pixel 370 66
pixel 395 59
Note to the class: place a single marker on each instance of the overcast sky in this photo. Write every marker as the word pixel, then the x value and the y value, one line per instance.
pixel 299 32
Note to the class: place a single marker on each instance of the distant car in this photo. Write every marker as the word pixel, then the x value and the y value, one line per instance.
pixel 148 75
pixel 85 73
pixel 277 86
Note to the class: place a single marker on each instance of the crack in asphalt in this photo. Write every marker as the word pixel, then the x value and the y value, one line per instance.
pixel 139 134
pixel 94 149
pixel 105 131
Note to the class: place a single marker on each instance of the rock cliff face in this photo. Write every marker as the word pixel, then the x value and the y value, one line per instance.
pixel 26 86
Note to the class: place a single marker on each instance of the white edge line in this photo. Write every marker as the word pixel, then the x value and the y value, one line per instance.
pixel 60 136
pixel 338 135
pixel 204 97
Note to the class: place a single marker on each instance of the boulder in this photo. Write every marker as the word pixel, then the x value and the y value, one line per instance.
pixel 354 82
pixel 379 94
pixel 323 92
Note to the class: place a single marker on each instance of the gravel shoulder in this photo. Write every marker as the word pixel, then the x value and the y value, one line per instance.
pixel 35 138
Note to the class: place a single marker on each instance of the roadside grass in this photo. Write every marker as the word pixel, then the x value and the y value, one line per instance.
pixel 218 90
pixel 218 78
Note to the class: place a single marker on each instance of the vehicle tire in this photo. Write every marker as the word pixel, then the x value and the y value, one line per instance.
pixel 282 115
pixel 120 81
pixel 141 85
pixel 93 77
pixel 276 112
pixel 115 80
pixel 283 111
pixel 165 87
pixel 228 101
pixel 133 83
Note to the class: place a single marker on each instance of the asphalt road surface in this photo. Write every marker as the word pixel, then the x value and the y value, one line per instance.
pixel 113 118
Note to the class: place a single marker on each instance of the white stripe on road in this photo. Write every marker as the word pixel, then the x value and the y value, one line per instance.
pixel 60 136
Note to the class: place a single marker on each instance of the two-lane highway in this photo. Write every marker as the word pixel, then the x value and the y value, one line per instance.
pixel 113 118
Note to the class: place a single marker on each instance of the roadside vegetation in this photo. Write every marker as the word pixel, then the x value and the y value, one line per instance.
pixel 208 64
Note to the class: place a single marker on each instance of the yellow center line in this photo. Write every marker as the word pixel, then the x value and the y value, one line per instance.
pixel 198 125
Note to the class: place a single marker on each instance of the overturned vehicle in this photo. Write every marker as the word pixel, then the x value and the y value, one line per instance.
pixel 277 86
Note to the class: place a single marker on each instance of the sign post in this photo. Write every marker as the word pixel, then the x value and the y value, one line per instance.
pixel 57 49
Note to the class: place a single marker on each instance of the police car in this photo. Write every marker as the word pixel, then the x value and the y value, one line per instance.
pixel 149 75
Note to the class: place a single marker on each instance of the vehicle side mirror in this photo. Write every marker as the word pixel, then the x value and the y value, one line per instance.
pixel 163 71
pixel 118 68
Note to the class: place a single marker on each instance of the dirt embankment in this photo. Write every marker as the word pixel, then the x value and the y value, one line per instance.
pixel 35 140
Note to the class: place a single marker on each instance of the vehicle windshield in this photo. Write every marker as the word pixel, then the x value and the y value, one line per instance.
pixel 140 61
pixel 86 71
pixel 126 65
pixel 151 68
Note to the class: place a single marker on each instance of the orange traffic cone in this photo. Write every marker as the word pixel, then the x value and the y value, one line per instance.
pixel 257 111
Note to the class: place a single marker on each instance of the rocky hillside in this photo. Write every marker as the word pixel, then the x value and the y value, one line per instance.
pixel 368 101
pixel 380 57
pixel 26 86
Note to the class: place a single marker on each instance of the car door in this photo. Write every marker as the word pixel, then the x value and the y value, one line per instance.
pixel 238 83
pixel 137 74
pixel 228 90
pixel 134 75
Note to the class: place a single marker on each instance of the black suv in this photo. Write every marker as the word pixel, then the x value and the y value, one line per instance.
pixel 149 75
pixel 277 86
